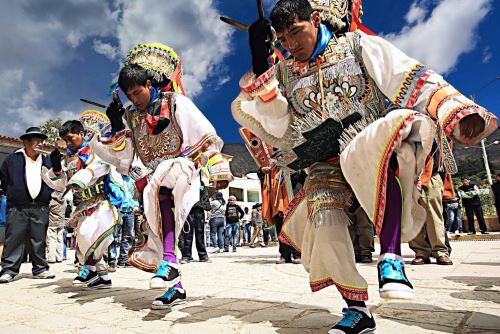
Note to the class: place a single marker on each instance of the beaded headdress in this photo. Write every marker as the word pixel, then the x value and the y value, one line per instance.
pixel 93 121
pixel 161 62
pixel 340 14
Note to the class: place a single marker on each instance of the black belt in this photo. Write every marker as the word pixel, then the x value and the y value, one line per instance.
pixel 30 205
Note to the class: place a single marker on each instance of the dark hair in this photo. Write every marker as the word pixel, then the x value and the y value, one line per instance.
pixel 72 126
pixel 285 11
pixel 132 75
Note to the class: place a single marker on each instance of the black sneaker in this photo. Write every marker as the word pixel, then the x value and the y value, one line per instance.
pixel 365 259
pixel 99 283
pixel 485 232
pixel 85 276
pixel 124 265
pixel 171 298
pixel 471 233
pixel 166 276
pixel 353 322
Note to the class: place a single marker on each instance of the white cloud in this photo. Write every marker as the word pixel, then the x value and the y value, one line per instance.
pixel 194 32
pixel 106 49
pixel 448 32
pixel 487 55
pixel 416 13
pixel 52 36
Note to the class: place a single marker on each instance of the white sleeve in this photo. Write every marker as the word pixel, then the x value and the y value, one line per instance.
pixel 262 108
pixel 408 84
pixel 200 142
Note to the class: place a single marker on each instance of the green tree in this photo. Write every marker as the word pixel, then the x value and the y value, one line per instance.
pixel 51 129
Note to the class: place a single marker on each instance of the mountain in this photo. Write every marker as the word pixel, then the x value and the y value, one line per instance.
pixel 470 160
pixel 242 162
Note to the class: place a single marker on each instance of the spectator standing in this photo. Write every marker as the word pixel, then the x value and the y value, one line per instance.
pixel 194 227
pixel 233 215
pixel 361 232
pixel 3 212
pixel 28 200
pixel 496 194
pixel 431 240
pixel 55 232
pixel 453 214
pixel 217 222
pixel 469 193
pixel 247 226
pixel 257 223
pixel 123 236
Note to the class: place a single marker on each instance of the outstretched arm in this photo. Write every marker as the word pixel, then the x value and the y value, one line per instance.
pixel 408 84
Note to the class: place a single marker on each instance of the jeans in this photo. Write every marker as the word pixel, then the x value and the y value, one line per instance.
pixel 195 224
pixel 217 231
pixel 232 235
pixel 454 213
pixel 247 232
pixel 123 237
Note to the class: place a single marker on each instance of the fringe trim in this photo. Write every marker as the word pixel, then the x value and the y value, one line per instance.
pixel 344 68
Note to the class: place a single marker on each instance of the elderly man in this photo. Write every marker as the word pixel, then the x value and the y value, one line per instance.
pixel 28 200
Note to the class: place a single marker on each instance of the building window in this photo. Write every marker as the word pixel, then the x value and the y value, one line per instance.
pixel 253 196
pixel 238 193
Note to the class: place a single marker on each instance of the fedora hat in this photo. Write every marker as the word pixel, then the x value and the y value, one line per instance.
pixel 33 131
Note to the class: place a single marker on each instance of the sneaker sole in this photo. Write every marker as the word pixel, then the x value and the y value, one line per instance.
pixel 164 307
pixel 364 331
pixel 165 285
pixel 47 277
pixel 395 294
pixel 99 287
pixel 78 284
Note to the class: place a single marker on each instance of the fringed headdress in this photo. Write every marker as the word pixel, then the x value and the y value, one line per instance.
pixel 161 62
pixel 93 122
pixel 342 15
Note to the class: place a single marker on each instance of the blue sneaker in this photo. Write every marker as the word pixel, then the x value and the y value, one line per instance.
pixel 353 322
pixel 172 297
pixel 85 276
pixel 393 283
pixel 166 276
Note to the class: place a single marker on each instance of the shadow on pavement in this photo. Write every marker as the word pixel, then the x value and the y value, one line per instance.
pixel 483 288
pixel 287 317
pixel 436 318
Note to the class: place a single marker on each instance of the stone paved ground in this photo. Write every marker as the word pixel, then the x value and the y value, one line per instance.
pixel 246 292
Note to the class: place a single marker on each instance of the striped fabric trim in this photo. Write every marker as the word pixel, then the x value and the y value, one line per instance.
pixel 407 88
pixel 349 292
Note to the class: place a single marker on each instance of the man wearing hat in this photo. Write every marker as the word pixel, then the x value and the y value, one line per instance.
pixel 28 200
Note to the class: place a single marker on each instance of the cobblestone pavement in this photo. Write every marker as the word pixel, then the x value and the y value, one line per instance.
pixel 246 292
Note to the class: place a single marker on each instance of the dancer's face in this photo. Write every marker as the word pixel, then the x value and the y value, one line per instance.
pixel 300 37
pixel 140 95
pixel 74 140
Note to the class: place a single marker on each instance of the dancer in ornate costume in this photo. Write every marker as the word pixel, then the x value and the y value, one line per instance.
pixel 324 106
pixel 98 185
pixel 172 138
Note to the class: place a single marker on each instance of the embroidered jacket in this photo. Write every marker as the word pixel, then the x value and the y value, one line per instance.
pixel 189 134
pixel 312 110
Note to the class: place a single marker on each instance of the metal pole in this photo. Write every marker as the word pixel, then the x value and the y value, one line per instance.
pixel 486 164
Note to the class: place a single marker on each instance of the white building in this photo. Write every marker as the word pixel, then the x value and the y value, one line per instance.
pixel 245 189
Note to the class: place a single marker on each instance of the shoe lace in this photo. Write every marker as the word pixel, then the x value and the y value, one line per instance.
pixel 392 269
pixel 169 294
pixel 84 272
pixel 164 268
pixel 350 318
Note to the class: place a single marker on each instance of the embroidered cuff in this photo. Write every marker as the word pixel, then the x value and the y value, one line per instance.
pixel 117 141
pixel 265 86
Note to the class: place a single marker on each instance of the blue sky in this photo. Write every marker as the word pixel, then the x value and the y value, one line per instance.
pixel 55 52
